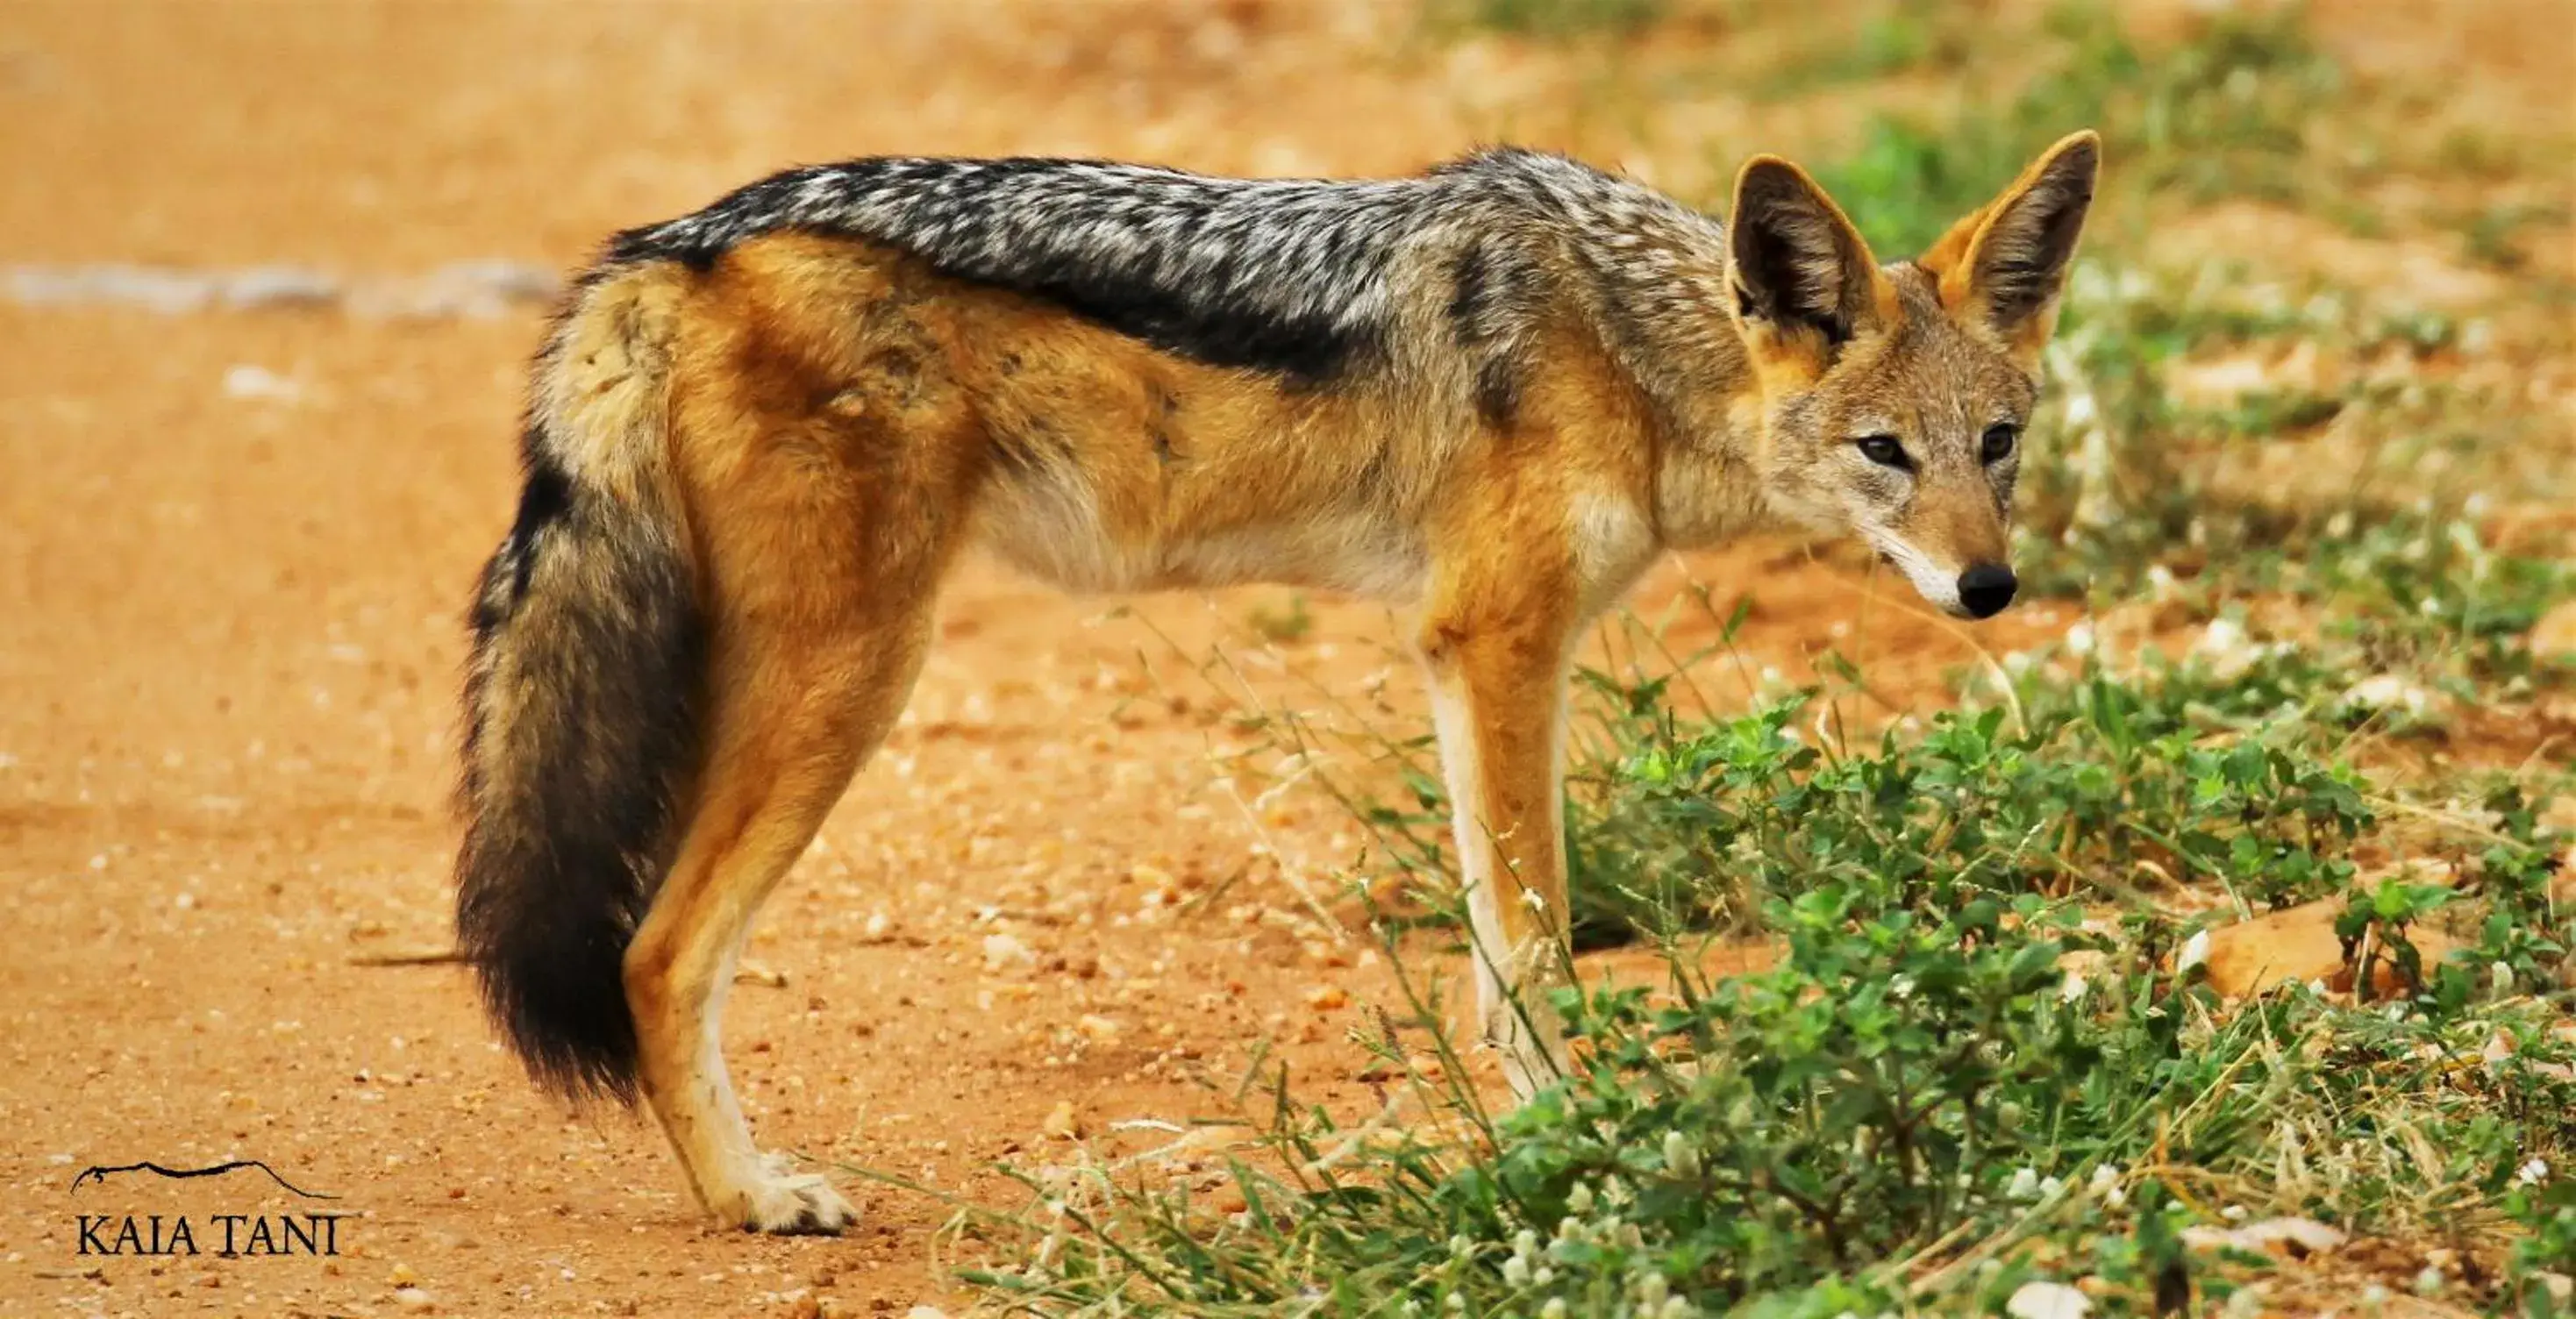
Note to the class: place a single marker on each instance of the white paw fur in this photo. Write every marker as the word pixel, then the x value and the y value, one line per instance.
pixel 778 1201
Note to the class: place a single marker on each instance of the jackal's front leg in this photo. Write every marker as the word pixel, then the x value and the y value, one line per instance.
pixel 1497 662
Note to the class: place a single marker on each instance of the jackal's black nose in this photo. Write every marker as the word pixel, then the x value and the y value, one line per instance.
pixel 1986 588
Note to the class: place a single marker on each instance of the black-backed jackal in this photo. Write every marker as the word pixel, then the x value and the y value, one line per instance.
pixel 759 435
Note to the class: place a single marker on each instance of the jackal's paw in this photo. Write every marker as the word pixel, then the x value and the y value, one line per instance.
pixel 792 1203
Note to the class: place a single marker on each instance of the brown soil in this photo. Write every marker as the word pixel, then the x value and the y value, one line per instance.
pixel 233 633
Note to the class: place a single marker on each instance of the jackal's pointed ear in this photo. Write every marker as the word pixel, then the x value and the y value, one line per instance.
pixel 1799 270
pixel 2006 262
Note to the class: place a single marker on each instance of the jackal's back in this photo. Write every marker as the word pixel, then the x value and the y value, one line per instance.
pixel 1296 276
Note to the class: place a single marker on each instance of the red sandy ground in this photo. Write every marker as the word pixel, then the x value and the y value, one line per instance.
pixel 229 638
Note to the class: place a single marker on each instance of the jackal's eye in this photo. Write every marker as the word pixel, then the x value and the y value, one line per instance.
pixel 1884 451
pixel 1999 441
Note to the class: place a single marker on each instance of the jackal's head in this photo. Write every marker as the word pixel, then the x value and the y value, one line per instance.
pixel 1894 397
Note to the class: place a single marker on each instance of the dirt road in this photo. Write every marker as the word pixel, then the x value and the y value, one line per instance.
pixel 235 545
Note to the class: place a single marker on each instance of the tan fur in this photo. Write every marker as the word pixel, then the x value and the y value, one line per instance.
pixel 842 421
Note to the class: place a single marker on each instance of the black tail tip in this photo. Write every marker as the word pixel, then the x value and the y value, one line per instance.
pixel 564 1012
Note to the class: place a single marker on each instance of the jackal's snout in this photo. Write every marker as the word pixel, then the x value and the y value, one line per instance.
pixel 1985 588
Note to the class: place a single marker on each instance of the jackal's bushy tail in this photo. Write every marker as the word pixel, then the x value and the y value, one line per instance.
pixel 584 695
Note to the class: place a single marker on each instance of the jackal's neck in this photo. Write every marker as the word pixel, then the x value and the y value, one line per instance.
pixel 1660 268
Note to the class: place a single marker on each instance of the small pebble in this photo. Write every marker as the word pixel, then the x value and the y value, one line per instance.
pixel 1061 1124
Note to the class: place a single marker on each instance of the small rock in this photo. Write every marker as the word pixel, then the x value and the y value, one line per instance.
pixel 2289 1238
pixel 413 1298
pixel 1328 998
pixel 2387 691
pixel 2554 636
pixel 2047 1300
pixel 2195 951
pixel 245 381
pixel 2300 944
pixel 2295 1237
pixel 1003 950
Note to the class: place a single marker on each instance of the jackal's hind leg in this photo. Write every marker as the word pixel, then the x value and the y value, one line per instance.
pixel 816 652
pixel 794 722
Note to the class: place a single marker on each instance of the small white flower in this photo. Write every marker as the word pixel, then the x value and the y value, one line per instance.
pixel 1524 1243
pixel 1651 1291
pixel 2080 639
pixel 2072 990
pixel 1901 985
pixel 1554 1309
pixel 2024 1185
pixel 2049 1187
pixel 1516 1271
pixel 1579 1199
pixel 2500 978
pixel 2532 1173
pixel 2195 951
pixel 1680 1155
pixel 1674 1308
pixel 1462 1245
